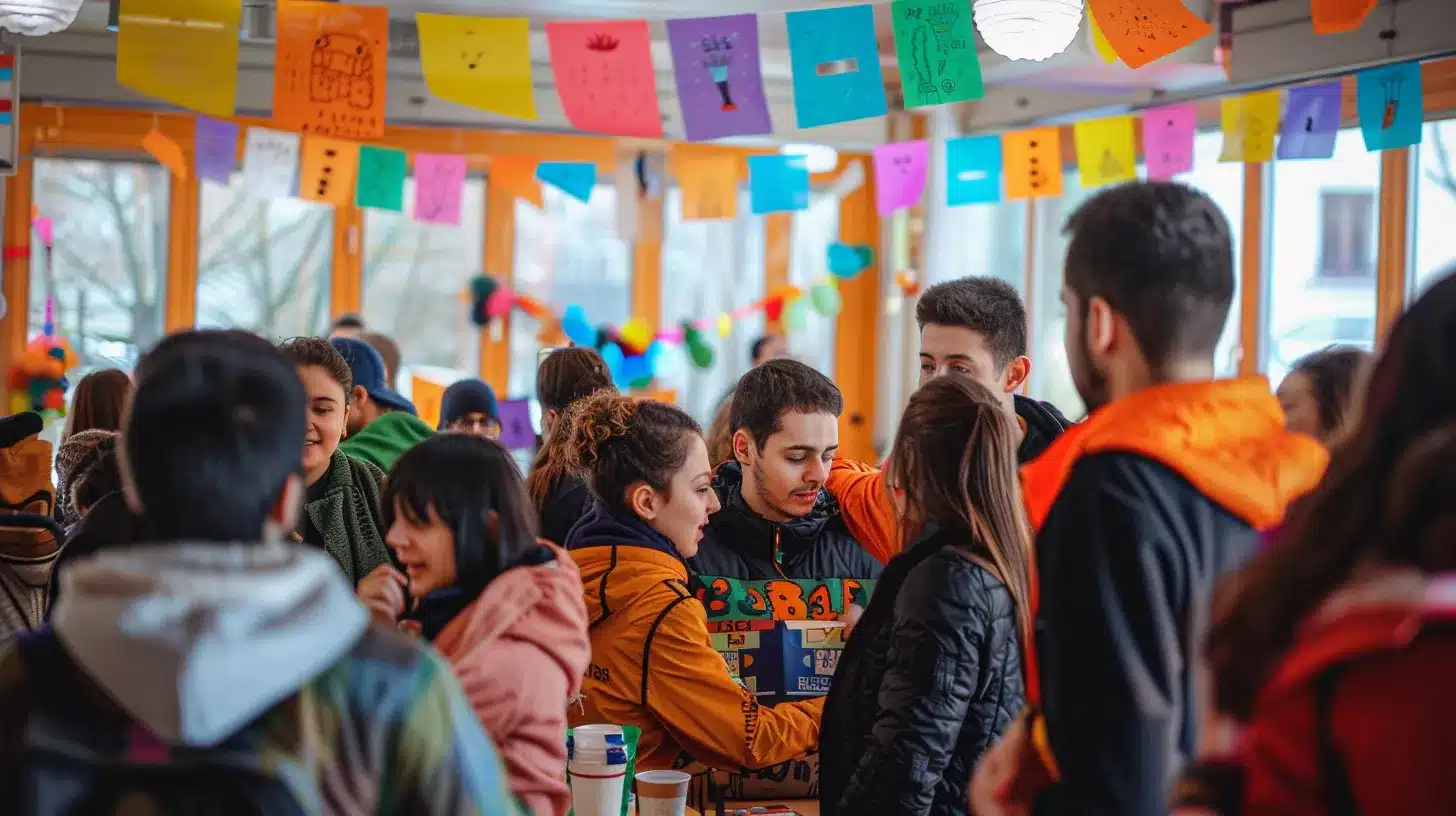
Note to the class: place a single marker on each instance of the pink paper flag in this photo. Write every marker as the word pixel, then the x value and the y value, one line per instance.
pixel 900 172
pixel 604 76
pixel 439 179
pixel 1168 140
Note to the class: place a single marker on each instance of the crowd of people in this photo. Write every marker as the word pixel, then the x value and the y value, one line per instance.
pixel 276 586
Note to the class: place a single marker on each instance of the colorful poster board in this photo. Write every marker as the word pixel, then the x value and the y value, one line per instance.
pixel 330 69
pixel 825 599
pixel 719 82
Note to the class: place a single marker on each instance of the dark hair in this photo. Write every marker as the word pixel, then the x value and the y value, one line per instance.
pixel 756 350
pixel 465 479
pixel 1332 372
pixel 1385 499
pixel 316 351
pixel 567 375
pixel 954 457
pixel 720 437
pixel 99 401
pixel 1160 254
pixel 349 320
pixel 616 442
pixel 220 338
pixel 778 387
pixel 988 306
pixel 388 352
pixel 101 479
pixel 214 432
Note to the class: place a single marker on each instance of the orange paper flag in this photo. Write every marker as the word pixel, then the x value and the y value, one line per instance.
pixel 1032 163
pixel 709 185
pixel 427 396
pixel 517 174
pixel 330 68
pixel 1339 16
pixel 1141 31
pixel 328 170
pixel 166 152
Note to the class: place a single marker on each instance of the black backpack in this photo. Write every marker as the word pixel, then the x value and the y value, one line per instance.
pixel 73 765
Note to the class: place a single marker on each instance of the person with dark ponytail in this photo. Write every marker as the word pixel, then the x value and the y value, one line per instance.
pixel 653 665
pixel 1317 392
pixel 1332 654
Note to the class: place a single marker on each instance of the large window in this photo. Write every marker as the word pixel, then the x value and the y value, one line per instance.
pixel 981 240
pixel 567 252
pixel 1321 271
pixel 1435 210
pixel 814 230
pixel 416 278
pixel 108 272
pixel 711 268
pixel 262 264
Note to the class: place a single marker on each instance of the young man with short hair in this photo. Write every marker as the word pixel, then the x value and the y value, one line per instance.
pixel 210 651
pixel 1139 510
pixel 382 423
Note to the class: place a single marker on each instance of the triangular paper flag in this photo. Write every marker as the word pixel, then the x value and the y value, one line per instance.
pixel 166 152
pixel 1106 153
pixel 576 179
pixel 517 174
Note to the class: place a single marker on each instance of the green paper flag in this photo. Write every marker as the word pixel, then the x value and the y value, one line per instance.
pixel 937 52
pixel 381 178
pixel 825 599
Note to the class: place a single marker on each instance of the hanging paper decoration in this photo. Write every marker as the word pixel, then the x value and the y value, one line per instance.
pixel 517 174
pixel 778 183
pixel 605 78
pixel 1141 31
pixel 698 349
pixel 37 379
pixel 936 49
pixel 215 149
pixel 330 68
pixel 1106 153
pixel 707 183
pixel 1249 125
pixel 836 65
pixel 719 84
pixel 576 179
pixel 1168 134
pixel 270 163
pixel 483 62
pixel 1099 40
pixel 181 51
pixel 1311 122
pixel 1033 163
pixel 328 170
pixel 481 288
pixel 845 261
pixel 1339 16
pixel 824 295
pixel 1390 102
pixel 725 326
pixel 382 172
pixel 577 327
pixel 900 171
pixel 517 432
pixel 439 187
pixel 166 151
pixel 973 170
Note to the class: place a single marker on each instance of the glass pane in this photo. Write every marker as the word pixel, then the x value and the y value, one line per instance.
pixel 813 231
pixel 107 275
pixel 415 281
pixel 710 268
pixel 262 264
pixel 988 239
pixel 567 252
pixel 1435 212
pixel 1322 259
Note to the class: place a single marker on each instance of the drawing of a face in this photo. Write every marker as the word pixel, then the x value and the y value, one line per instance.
pixel 903 163
pixel 472 56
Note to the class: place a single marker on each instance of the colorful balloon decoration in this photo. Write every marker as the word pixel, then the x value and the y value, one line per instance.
pixel 481 289
pixel 698 349
pixel 825 298
pixel 846 261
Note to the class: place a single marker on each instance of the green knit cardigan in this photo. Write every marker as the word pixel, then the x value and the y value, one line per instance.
pixel 348 515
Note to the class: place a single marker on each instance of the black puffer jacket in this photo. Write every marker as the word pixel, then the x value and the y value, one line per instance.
pixel 739 543
pixel 567 502
pixel 927 682
pixel 1044 423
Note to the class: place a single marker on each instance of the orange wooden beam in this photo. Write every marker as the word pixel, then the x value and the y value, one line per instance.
pixel 346 266
pixel 856 336
pixel 500 257
pixel 1393 260
pixel 180 310
pixel 14 323
pixel 1251 272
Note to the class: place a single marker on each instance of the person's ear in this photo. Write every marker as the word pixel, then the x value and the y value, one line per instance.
pixel 283 515
pixel 1016 373
pixel 642 499
pixel 360 397
pixel 1101 326
pixel 548 420
pixel 744 448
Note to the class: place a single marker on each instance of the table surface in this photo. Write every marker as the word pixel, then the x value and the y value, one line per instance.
pixel 805 807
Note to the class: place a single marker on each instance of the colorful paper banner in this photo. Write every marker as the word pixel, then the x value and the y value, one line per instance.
pixel 1249 125
pixel 936 48
pixel 719 83
pixel 439 185
pixel 1032 163
pixel 382 172
pixel 836 65
pixel 708 185
pixel 1168 134
pixel 517 174
pixel 270 163
pixel 483 62
pixel 428 396
pixel 605 78
pixel 1311 122
pixel 181 51
pixel 1391 105
pixel 516 431
pixel 824 599
pixel 1099 40
pixel 1141 31
pixel 576 179
pixel 330 68
pixel 778 183
pixel 973 170
pixel 1339 16
pixel 900 171
pixel 328 170
pixel 215 149
pixel 1106 151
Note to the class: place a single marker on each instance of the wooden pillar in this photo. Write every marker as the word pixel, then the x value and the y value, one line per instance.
pixel 500 262
pixel 1251 272
pixel 856 337
pixel 181 291
pixel 647 261
pixel 16 287
pixel 778 250
pixel 346 270
pixel 1393 263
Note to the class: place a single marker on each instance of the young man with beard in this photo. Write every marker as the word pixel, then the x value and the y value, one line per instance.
pixel 1138 510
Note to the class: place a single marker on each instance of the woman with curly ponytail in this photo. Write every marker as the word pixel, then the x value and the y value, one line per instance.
pixel 652 663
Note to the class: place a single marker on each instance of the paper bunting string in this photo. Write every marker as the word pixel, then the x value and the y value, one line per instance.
pixel 900 174
pixel 270 163
pixel 1311 122
pixel 439 187
pixel 778 183
pixel 483 62
pixel 719 84
pixel 428 397
pixel 1106 153
pixel 330 68
pixel 181 51
pixel 1391 105
pixel 1032 162
pixel 1249 125
pixel 1141 31
pixel 836 65
pixel 382 173
pixel 215 149
pixel 605 78
pixel 1168 134
pixel 936 49
pixel 576 179
pixel 328 170
pixel 708 184
pixel 973 170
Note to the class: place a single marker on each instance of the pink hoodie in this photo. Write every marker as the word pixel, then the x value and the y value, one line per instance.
pixel 520 651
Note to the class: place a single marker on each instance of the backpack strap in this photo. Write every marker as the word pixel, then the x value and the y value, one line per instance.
pixel 1334 776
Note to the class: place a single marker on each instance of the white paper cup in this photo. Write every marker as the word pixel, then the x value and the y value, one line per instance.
pixel 597 764
pixel 662 793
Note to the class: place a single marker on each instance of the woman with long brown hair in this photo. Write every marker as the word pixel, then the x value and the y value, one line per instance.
pixel 98 402
pixel 564 377
pixel 933 673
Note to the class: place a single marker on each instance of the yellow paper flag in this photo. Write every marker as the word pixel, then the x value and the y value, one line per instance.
pixel 328 170
pixel 427 396
pixel 1249 125
pixel 166 151
pixel 1106 153
pixel 181 51
pixel 1099 40
pixel 483 62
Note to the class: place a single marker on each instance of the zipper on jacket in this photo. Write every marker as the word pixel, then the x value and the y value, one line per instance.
pixel 778 553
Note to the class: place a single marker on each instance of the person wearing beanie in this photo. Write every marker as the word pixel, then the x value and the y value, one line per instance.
pixel 382 424
pixel 469 407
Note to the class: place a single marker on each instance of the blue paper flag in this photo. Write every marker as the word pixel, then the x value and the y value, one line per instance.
pixel 973 170
pixel 1391 105
pixel 836 64
pixel 1311 122
pixel 778 183
pixel 576 179
pixel 846 261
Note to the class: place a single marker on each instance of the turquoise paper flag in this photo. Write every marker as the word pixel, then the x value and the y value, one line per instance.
pixel 836 64
pixel 381 178
pixel 1391 105
pixel 778 183
pixel 973 170
pixel 576 179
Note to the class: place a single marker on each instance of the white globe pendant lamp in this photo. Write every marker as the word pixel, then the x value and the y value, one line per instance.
pixel 1028 29
pixel 34 18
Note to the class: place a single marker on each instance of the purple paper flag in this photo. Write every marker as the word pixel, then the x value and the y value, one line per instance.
pixel 515 421
pixel 216 149
pixel 1168 140
pixel 900 171
pixel 439 179
pixel 1311 122
pixel 719 84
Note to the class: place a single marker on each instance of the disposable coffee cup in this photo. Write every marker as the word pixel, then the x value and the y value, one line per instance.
pixel 662 793
pixel 596 760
